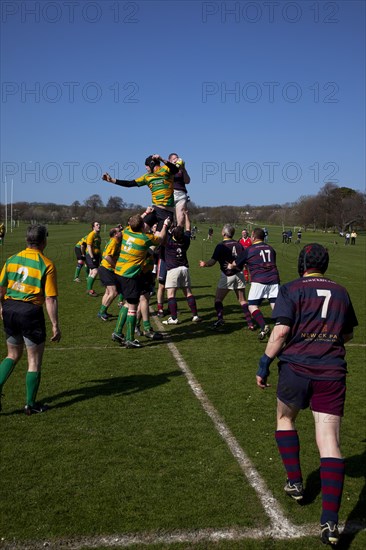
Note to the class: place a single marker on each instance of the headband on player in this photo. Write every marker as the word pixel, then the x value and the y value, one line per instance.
pixel 151 162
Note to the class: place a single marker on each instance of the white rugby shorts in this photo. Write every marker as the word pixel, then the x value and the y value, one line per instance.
pixel 178 277
pixel 258 292
pixel 231 282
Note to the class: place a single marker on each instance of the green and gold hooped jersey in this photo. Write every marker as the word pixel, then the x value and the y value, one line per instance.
pixel 113 249
pixel 161 185
pixel 29 276
pixel 95 241
pixel 133 252
pixel 81 242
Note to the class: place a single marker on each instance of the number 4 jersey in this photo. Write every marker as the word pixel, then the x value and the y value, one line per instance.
pixel 319 312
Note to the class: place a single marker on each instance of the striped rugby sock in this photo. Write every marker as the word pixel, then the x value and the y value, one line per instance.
pixel 172 305
pixel 332 479
pixel 289 447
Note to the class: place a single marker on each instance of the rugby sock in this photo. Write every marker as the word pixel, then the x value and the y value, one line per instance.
pixel 6 368
pixel 289 447
pixel 90 282
pixel 32 381
pixel 332 478
pixel 192 305
pixel 122 316
pixel 258 318
pixel 172 305
pixel 146 325
pixel 103 309
pixel 131 325
pixel 247 314
pixel 77 271
pixel 219 310
pixel 160 307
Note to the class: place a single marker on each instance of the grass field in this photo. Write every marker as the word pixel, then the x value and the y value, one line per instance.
pixel 172 445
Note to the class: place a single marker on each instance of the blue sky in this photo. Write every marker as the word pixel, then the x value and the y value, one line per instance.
pixel 264 100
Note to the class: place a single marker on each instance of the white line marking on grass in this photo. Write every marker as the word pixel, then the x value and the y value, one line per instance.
pixel 279 522
pixel 174 537
pixel 153 537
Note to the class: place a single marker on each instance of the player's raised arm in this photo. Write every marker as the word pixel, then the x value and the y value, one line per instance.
pixel 123 183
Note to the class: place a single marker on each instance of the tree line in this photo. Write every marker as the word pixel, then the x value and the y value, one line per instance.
pixel 333 208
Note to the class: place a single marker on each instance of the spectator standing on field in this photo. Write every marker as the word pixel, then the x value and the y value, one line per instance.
pixel 347 238
pixel 27 281
pixel 2 233
pixel 353 237
pixel 314 318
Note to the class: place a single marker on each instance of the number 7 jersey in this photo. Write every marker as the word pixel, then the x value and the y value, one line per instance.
pixel 319 312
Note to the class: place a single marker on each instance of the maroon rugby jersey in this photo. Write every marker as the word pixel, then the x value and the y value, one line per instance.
pixel 226 252
pixel 320 312
pixel 261 261
pixel 179 184
pixel 176 253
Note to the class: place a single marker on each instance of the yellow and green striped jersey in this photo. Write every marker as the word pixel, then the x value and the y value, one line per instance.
pixel 29 276
pixel 81 242
pixel 112 248
pixel 133 252
pixel 161 185
pixel 95 241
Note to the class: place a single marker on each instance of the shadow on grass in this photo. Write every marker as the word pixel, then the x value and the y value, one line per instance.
pixel 356 521
pixel 120 385
pixel 186 330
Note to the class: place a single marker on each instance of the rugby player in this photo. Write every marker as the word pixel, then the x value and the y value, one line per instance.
pixel 181 179
pixel 106 271
pixel 160 180
pixel 314 318
pixel 265 280
pixel 80 250
pixel 27 281
pixel 93 257
pixel 135 245
pixel 176 246
pixel 231 278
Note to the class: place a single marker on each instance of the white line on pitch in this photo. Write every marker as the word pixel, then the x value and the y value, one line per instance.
pixel 279 522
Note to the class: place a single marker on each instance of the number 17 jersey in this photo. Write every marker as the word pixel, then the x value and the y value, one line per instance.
pixel 261 261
